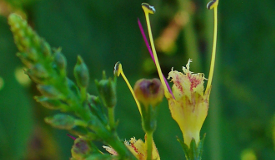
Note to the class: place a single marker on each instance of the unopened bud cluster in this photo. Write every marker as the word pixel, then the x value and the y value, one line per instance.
pixel 86 117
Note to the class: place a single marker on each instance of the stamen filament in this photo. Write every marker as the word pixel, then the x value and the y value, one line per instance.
pixel 117 71
pixel 146 12
pixel 151 54
pixel 211 71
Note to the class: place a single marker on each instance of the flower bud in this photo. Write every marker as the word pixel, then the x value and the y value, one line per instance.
pixel 60 60
pixel 61 121
pixel 83 148
pixel 107 91
pixel 81 73
pixel 149 92
pixel 39 71
pixel 46 48
pixel 25 59
pixel 96 108
pixel 50 103
pixel 49 91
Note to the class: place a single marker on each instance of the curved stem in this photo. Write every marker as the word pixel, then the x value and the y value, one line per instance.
pixel 131 89
pixel 166 90
pixel 211 71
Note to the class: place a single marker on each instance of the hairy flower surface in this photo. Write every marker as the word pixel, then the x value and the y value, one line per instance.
pixel 138 148
pixel 189 106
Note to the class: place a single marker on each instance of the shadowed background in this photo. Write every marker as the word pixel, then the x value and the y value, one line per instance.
pixel 240 122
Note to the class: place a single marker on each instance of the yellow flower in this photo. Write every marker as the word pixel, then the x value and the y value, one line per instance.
pixel 138 148
pixel 188 102
pixel 189 106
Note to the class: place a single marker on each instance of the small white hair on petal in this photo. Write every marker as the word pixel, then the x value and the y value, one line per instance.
pixel 110 150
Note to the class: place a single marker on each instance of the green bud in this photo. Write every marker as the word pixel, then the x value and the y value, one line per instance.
pixel 95 107
pixel 32 54
pixel 107 91
pixel 149 92
pixel 53 104
pixel 25 59
pixel 19 27
pixel 81 73
pixel 39 71
pixel 61 121
pixel 72 86
pixel 36 79
pixel 27 40
pixel 14 21
pixel 49 91
pixel 46 48
pixel 93 100
pixel 60 60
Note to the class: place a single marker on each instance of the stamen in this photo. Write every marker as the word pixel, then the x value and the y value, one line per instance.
pixel 150 9
pixel 151 54
pixel 213 5
pixel 72 137
pixel 117 71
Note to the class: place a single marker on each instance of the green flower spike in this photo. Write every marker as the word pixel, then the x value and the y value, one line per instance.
pixel 47 67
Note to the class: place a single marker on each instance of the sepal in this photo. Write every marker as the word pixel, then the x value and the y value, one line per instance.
pixel 195 151
pixel 53 104
pixel 61 121
pixel 82 149
pixel 81 73
pixel 107 91
pixel 96 108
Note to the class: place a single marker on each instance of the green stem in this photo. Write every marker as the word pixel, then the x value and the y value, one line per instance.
pixel 83 93
pixel 213 55
pixel 111 139
pixel 111 116
pixel 149 141
pixel 214 115
pixel 120 148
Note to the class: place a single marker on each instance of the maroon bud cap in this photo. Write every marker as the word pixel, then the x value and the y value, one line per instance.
pixel 149 91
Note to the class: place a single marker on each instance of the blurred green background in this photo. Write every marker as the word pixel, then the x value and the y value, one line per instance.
pixel 240 123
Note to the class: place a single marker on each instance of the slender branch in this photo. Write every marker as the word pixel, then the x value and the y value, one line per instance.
pixel 211 71
pixel 149 141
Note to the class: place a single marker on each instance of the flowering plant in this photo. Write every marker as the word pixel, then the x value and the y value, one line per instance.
pixel 83 114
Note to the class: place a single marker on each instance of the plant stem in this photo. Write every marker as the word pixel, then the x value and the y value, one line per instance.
pixel 149 141
pixel 120 148
pixel 214 115
pixel 83 93
pixel 111 117
pixel 211 71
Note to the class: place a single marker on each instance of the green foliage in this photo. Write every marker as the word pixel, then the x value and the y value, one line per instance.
pixel 105 32
pixel 194 151
pixel 107 91
pixel 47 70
